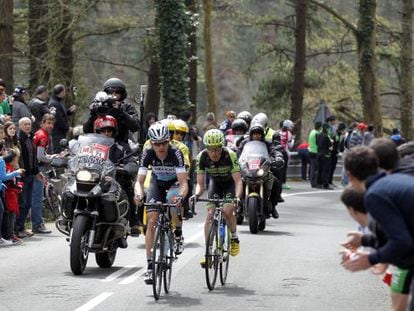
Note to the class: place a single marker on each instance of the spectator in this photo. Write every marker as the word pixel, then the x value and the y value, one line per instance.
pixel 388 200
pixel 150 118
pixel 3 178
pixel 210 122
pixel 324 143
pixel 336 140
pixel 303 153
pixel 30 188
pixel 226 124
pixel 397 138
pixel 38 105
pixel 331 120
pixel 368 135
pixel 313 155
pixel 5 111
pixel 357 136
pixel 20 108
pixel 287 141
pixel 11 198
pixel 62 123
pixel 191 136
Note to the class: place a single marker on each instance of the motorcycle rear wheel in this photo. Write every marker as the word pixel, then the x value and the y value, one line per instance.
pixel 252 208
pixel 105 260
pixel 79 251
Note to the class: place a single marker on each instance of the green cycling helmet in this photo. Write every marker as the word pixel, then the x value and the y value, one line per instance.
pixel 213 138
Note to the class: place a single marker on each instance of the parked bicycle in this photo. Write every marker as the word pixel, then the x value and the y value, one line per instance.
pixel 163 255
pixel 217 254
pixel 51 197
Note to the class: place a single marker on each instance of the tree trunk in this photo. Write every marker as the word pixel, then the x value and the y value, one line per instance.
pixel 296 112
pixel 152 98
pixel 38 36
pixel 366 45
pixel 211 97
pixel 192 57
pixel 406 97
pixel 6 43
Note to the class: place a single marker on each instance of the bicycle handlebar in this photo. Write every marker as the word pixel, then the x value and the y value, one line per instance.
pixel 159 204
pixel 232 200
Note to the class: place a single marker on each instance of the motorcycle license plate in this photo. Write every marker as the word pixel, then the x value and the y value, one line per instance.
pixel 254 164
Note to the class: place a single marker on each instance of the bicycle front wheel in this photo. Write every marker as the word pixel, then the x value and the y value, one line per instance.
pixel 158 262
pixel 225 255
pixel 169 260
pixel 211 257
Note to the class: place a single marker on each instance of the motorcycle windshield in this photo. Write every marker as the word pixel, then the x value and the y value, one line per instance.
pixel 92 153
pixel 253 156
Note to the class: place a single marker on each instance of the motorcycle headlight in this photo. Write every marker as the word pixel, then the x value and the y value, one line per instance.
pixel 260 172
pixel 87 176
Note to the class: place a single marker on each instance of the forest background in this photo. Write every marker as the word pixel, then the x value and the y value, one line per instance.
pixel 281 57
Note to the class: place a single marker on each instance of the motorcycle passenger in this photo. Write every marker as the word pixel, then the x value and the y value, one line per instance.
pixel 239 128
pixel 256 132
pixel 221 164
pixel 107 126
pixel 125 113
pixel 246 116
pixel 167 168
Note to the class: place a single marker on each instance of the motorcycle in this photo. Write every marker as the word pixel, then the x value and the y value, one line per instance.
pixel 94 206
pixel 255 167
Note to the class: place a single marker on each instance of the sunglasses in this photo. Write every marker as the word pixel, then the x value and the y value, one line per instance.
pixel 179 133
pixel 214 150
pixel 112 91
pixel 161 143
pixel 107 130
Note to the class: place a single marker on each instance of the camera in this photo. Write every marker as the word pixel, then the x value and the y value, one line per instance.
pixel 102 102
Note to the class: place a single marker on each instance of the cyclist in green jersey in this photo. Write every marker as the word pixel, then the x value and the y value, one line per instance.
pixel 221 164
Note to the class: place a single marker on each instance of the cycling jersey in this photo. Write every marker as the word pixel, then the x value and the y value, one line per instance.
pixel 163 170
pixel 221 170
pixel 177 144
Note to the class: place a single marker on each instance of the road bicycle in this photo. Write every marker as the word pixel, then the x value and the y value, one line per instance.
pixel 217 252
pixel 163 255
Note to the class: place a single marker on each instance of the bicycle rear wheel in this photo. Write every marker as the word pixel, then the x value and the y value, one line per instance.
pixel 212 252
pixel 225 256
pixel 158 262
pixel 169 258
pixel 53 201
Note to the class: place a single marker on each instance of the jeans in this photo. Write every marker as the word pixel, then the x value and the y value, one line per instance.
pixel 8 224
pixel 30 198
pixel 1 211
pixel 313 169
pixel 304 156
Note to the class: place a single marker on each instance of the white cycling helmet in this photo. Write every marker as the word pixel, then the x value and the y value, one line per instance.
pixel 158 132
pixel 288 124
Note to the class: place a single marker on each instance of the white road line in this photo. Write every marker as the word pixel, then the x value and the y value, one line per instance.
pixel 118 273
pixel 309 192
pixel 94 302
pixel 131 278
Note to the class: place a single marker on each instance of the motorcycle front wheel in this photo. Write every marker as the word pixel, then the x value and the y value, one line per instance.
pixel 252 209
pixel 105 260
pixel 79 251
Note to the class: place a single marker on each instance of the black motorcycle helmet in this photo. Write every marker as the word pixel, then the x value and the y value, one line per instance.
pixel 246 116
pixel 115 84
pixel 256 127
pixel 239 125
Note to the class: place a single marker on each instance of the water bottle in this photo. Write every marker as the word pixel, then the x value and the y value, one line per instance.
pixel 222 232
pixel 166 244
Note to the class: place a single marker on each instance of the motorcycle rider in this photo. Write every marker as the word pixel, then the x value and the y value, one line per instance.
pixel 239 128
pixel 167 168
pixel 256 132
pixel 246 116
pixel 107 125
pixel 221 164
pixel 125 113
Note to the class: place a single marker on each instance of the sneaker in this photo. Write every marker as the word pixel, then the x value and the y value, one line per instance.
pixel 234 247
pixel 179 245
pixel 275 213
pixel 148 277
pixel 41 229
pixel 16 241
pixel 4 242
pixel 280 200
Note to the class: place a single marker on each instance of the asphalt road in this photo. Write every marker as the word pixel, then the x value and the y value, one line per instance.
pixel 292 265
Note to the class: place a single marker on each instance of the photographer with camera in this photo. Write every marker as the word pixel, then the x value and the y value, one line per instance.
pixel 111 102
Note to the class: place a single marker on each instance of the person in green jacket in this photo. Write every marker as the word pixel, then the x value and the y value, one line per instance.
pixel 313 155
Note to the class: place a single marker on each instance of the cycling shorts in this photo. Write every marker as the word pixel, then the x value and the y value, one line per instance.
pixel 161 192
pixel 222 190
pixel 401 280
